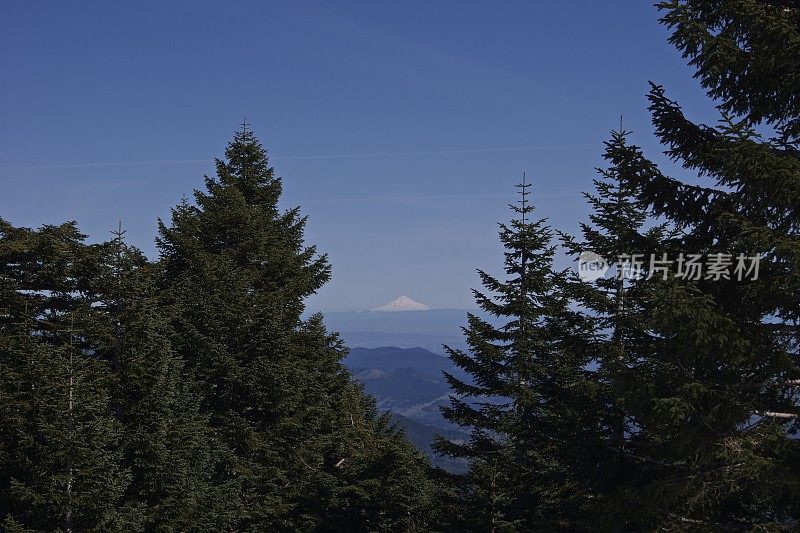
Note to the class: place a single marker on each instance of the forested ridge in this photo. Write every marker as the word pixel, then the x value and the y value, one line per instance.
pixel 192 392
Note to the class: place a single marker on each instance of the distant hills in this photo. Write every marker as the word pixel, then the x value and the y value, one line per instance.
pixel 428 329
pixel 393 358
pixel 408 382
pixel 399 358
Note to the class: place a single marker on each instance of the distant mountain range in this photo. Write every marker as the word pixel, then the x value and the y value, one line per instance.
pixel 399 358
pixel 429 329
pixel 408 382
pixel 394 358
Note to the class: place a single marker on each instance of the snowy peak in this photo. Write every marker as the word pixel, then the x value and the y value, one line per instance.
pixel 404 303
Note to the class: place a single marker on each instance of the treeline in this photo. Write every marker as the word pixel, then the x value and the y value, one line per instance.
pixel 189 393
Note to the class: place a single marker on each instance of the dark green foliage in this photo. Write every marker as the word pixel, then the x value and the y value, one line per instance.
pixel 301 444
pixel 686 378
pixel 167 445
pixel 529 405
pixel 746 55
pixel 713 403
pixel 201 399
pixel 60 459
pixel 620 308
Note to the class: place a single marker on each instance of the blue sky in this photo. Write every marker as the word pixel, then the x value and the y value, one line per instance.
pixel 400 127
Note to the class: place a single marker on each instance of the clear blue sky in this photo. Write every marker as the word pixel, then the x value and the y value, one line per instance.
pixel 400 127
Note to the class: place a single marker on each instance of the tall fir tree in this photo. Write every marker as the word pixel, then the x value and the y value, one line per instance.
pixel 529 405
pixel 166 442
pixel 720 398
pixel 296 434
pixel 60 447
pixel 618 306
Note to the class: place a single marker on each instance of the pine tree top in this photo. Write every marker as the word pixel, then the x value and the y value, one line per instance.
pixel 246 166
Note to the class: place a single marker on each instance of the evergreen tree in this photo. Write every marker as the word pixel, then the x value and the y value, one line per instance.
pixel 718 392
pixel 295 434
pixel 60 456
pixel 745 56
pixel 529 405
pixel 166 440
pixel 619 307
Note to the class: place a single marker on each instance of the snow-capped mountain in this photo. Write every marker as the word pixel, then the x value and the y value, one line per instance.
pixel 404 303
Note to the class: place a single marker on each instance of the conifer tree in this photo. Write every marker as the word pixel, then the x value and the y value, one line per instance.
pixel 166 440
pixel 60 455
pixel 294 433
pixel 528 406
pixel 618 306
pixel 721 380
pixel 745 57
